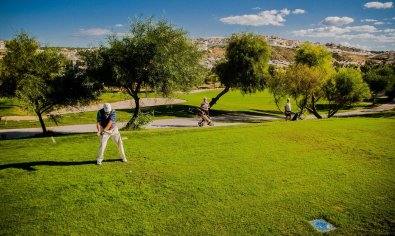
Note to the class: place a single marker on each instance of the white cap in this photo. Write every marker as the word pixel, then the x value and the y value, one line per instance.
pixel 107 107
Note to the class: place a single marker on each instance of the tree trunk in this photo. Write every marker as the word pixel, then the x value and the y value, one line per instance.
pixel 333 112
pixel 40 118
pixel 136 111
pixel 277 101
pixel 214 100
pixel 134 92
pixel 137 107
pixel 301 106
pixel 312 109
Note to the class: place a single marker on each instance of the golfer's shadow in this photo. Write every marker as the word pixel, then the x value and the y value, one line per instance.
pixel 29 166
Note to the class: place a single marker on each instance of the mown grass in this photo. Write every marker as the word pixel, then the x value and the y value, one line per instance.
pixel 234 101
pixel 10 106
pixel 260 179
pixel 258 104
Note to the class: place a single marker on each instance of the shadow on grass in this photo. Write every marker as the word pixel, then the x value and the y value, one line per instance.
pixel 358 106
pixel 384 114
pixel 180 110
pixel 23 134
pixel 268 112
pixel 29 166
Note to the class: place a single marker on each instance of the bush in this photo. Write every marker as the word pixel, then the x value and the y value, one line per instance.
pixel 139 121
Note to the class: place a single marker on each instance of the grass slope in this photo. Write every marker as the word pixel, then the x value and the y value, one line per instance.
pixel 266 179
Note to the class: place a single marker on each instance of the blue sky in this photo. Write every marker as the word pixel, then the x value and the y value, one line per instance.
pixel 77 23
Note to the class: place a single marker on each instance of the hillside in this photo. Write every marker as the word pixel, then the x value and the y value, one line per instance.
pixel 282 53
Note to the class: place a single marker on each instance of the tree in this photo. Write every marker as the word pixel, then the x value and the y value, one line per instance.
pixel 304 79
pixel 318 59
pixel 344 88
pixel 18 62
pixel 303 84
pixel 277 85
pixel 42 80
pixel 312 78
pixel 314 56
pixel 380 78
pixel 245 66
pixel 153 54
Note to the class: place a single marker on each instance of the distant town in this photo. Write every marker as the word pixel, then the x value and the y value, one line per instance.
pixel 342 54
pixel 282 51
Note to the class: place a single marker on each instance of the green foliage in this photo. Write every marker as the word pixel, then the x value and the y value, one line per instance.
pixel 140 121
pixel 204 182
pixel 41 79
pixel 313 55
pixel 245 66
pixel 247 62
pixel 153 54
pixel 312 78
pixel 305 79
pixel 380 78
pixel 301 82
pixel 98 66
pixel 277 85
pixel 345 88
pixel 19 61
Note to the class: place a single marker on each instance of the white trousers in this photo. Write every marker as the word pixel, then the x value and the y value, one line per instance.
pixel 116 137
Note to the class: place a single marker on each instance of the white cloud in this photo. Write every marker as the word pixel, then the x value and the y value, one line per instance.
pixel 362 28
pixel 364 32
pixel 272 17
pixel 335 20
pixel 299 11
pixel 285 12
pixel 388 38
pixel 119 25
pixel 368 20
pixel 257 8
pixel 378 23
pixel 92 32
pixel 268 17
pixel 393 18
pixel 379 5
pixel 334 31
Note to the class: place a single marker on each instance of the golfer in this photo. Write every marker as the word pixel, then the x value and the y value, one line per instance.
pixel 205 106
pixel 106 128
pixel 288 110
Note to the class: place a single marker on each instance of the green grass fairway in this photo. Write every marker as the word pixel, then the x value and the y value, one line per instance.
pixel 259 179
pixel 257 104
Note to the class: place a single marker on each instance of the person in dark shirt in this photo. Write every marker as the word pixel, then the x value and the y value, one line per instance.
pixel 106 128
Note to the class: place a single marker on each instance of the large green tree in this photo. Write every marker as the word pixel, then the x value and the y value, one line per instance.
pixel 304 86
pixel 153 54
pixel 245 66
pixel 344 88
pixel 42 80
pixel 304 79
pixel 312 78
pixel 380 78
pixel 319 62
